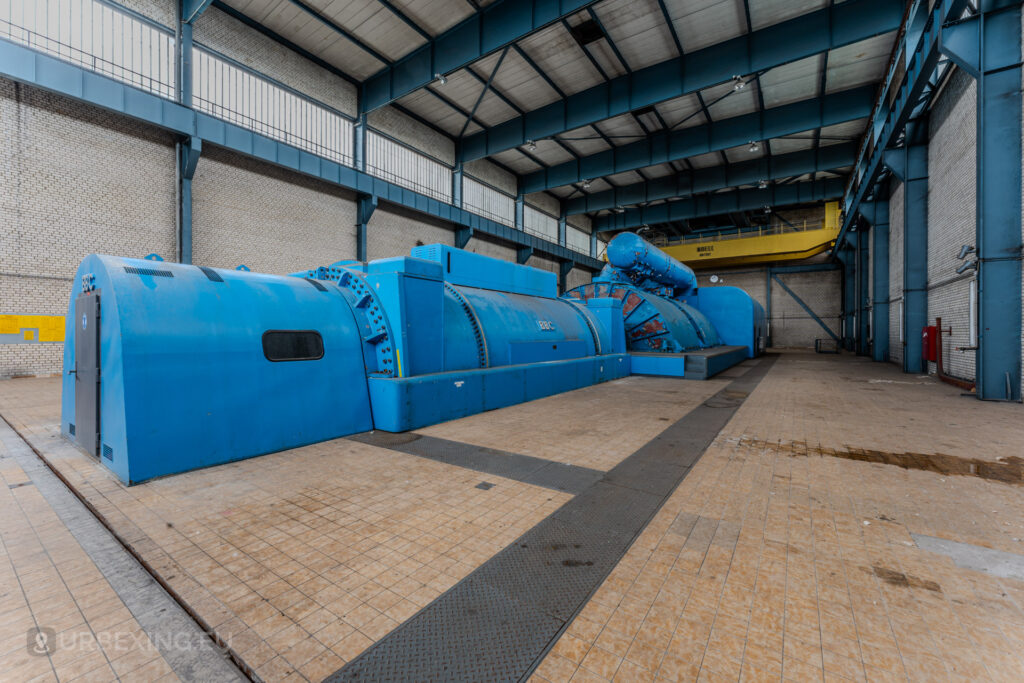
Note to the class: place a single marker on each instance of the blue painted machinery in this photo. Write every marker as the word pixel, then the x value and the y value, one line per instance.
pixel 669 322
pixel 172 367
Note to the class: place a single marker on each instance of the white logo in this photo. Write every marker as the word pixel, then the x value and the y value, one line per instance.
pixel 41 641
pixel 459 384
pixel 85 320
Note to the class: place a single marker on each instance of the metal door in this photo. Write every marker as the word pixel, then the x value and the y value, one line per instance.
pixel 87 372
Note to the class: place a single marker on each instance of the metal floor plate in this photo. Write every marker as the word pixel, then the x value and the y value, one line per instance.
pixel 499 622
pixel 525 468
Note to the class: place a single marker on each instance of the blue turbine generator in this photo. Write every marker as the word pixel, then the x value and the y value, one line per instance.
pixel 172 367
pixel 671 327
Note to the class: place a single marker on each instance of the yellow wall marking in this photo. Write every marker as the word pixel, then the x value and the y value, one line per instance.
pixel 50 327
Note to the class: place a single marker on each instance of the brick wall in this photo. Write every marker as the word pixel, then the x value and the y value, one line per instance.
pixel 791 326
pixel 952 215
pixel 72 182
pixel 270 219
pixel 76 180
pixel 394 231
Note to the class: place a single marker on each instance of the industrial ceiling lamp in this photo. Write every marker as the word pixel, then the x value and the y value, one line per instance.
pixel 738 83
pixel 441 78
pixel 586 183
pixel 767 210
pixel 762 184
pixel 531 145
pixel 754 146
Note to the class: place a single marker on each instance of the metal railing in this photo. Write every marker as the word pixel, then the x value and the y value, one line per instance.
pixel 238 95
pixel 486 201
pixel 94 36
pixel 538 223
pixel 402 165
pixel 577 240
pixel 739 233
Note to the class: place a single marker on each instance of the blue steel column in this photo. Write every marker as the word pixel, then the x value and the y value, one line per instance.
pixel 187 149
pixel 880 276
pixel 915 254
pixel 520 200
pixel 359 143
pixel 561 230
pixel 988 46
pixel 847 256
pixel 457 185
pixel 593 244
pixel 863 291
pixel 365 206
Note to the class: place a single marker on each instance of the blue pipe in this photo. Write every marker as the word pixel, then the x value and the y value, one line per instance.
pixel 641 260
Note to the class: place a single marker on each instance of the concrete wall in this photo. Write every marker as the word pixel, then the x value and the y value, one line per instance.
pixel 791 326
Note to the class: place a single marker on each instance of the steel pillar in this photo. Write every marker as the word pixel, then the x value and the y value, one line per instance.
pixel 457 185
pixel 359 143
pixel 561 230
pixel 988 46
pixel 877 213
pixel 188 151
pixel 564 268
pixel 593 244
pixel 847 256
pixel 914 173
pixel 863 292
pixel 768 305
pixel 523 255
pixel 462 237
pixel 187 148
pixel 520 200
pixel 366 204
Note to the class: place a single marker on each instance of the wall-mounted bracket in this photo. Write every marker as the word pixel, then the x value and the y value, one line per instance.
pixel 462 237
pixel 523 254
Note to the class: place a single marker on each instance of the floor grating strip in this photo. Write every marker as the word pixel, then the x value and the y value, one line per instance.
pixel 498 623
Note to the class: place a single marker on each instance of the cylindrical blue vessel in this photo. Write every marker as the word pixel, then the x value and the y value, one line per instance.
pixel 639 258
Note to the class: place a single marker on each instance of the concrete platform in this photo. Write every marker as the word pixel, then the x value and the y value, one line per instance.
pixel 800 517
pixel 700 364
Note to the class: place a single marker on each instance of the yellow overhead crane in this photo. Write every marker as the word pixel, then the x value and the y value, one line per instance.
pixel 774 243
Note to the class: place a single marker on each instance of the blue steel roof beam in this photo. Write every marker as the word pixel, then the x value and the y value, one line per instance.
pixel 405 19
pixel 723 177
pixel 281 40
pixel 488 30
pixel 665 146
pixel 516 108
pixel 773 46
pixel 719 203
pixel 340 30
pixel 26 65
pixel 919 45
pixel 480 98
pixel 757 77
pixel 463 112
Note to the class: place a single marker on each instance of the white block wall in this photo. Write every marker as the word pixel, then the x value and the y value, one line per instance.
pixel 76 180
pixel 952 213
pixel 791 326
pixel 270 219
pixel 72 182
